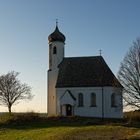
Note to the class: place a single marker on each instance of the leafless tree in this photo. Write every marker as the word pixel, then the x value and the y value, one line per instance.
pixel 129 75
pixel 12 90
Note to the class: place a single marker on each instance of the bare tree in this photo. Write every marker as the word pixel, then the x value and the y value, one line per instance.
pixel 12 90
pixel 129 76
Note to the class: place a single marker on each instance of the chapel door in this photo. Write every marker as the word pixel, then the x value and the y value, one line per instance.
pixel 68 110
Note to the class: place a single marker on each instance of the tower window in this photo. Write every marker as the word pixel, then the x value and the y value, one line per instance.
pixel 80 100
pixel 93 99
pixel 54 50
pixel 50 57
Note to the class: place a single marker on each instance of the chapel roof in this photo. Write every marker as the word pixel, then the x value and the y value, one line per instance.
pixel 85 72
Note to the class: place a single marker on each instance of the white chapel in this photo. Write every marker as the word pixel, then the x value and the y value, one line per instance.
pixel 81 86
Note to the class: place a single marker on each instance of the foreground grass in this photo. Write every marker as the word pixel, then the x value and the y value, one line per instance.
pixel 70 133
pixel 64 129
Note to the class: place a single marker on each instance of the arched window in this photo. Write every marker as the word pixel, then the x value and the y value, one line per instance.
pixel 54 50
pixel 80 99
pixel 93 99
pixel 113 100
pixel 50 57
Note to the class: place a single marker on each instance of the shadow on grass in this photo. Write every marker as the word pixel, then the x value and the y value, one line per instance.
pixel 47 123
pixel 34 121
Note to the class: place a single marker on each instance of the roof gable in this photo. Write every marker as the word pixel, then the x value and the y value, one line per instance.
pixel 67 98
pixel 68 92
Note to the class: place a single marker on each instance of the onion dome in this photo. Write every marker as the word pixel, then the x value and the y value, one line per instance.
pixel 56 36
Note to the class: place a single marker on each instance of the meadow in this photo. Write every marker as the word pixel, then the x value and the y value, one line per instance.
pixel 32 126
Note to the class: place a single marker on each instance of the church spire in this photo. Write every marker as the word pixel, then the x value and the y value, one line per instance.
pixel 56 35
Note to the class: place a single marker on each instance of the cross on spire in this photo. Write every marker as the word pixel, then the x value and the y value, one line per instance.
pixel 56 22
pixel 100 51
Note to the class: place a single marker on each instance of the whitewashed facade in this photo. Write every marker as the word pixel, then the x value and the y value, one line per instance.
pixel 103 106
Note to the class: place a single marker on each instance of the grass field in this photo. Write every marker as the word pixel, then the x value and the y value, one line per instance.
pixel 31 127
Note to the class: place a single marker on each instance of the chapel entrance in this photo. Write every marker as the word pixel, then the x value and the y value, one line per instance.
pixel 68 110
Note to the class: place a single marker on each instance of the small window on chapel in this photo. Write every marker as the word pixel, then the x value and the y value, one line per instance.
pixel 80 100
pixel 93 100
pixel 113 100
pixel 54 50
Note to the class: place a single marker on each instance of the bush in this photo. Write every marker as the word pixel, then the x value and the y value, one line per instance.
pixel 5 118
pixel 25 117
pixel 19 118
pixel 132 115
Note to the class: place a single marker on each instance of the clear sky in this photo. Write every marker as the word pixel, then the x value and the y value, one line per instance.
pixel 89 25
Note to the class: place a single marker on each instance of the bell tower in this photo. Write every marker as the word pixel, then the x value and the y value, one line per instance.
pixel 56 54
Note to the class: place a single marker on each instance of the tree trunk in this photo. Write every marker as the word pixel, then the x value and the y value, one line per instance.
pixel 9 109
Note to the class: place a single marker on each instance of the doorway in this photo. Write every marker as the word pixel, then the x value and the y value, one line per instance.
pixel 68 110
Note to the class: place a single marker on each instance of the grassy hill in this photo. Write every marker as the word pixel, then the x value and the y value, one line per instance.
pixel 31 126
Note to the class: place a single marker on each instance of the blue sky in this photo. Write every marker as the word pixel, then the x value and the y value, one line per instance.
pixel 89 25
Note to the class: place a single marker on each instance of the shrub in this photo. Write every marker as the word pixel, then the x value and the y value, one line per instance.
pixel 132 115
pixel 26 117
pixel 5 118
